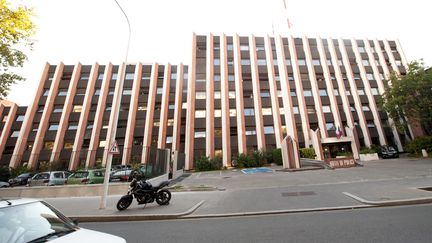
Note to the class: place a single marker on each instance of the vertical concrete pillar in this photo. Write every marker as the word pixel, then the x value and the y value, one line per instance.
pixel 259 123
pixel 226 129
pixel 368 92
pixel 273 92
pixel 241 130
pixel 190 112
pixel 353 86
pixel 178 108
pixel 44 122
pixel 82 123
pixel 28 121
pixel 299 90
pixel 329 83
pixel 131 121
pixel 148 127
pixel 210 97
pixel 163 120
pixel 6 131
pixel 98 119
pixel 315 89
pixel 64 119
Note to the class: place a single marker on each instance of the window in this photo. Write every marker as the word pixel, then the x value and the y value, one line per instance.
pixel 127 92
pixel 53 127
pixel 73 126
pixel 249 112
pixel 323 92
pixel 326 109
pixel 244 48
pixel 77 108
pixel 360 92
pixel 97 92
pixel 143 108
pixel 20 118
pixel 292 93
pixel 173 76
pixel 361 49
pixel 229 47
pixel 370 76
pixel 129 76
pixel 260 48
pixel 68 145
pixel 217 78
pixel 366 62
pixel 250 132
pixel 245 62
pixel 171 107
pixel 268 130
pixel 170 122
pixel 365 108
pixel 102 144
pixel 46 92
pixel 398 63
pixel 49 145
pixel 340 62
pixel 159 91
pixel 370 124
pixel 100 76
pixel 296 110
pixel 374 91
pixel 231 94
pixel 184 105
pixel 261 62
pixel 200 95
pixel 62 92
pixel 90 126
pixel 217 94
pixel 265 94
pixel 231 78
pixel 233 112
pixel 307 93
pixel 316 62
pixel 200 134
pixel 200 114
pixel 156 124
pixel 329 62
pixel 352 108
pixel 310 110
pixel 288 62
pixel 169 139
pixel 15 134
pixel 301 62
pixel 336 92
pixel 216 62
pixel 266 111
pixel 282 111
pixel 217 113
pixel 330 126
pixel 348 93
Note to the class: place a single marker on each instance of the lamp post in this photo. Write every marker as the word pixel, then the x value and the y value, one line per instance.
pixel 114 115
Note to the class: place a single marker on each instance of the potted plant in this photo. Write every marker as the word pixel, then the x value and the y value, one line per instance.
pixel 368 154
pixel 344 155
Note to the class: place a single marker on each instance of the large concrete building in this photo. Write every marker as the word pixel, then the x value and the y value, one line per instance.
pixel 237 94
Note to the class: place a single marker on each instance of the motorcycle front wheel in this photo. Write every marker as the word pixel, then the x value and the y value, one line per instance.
pixel 124 203
pixel 163 197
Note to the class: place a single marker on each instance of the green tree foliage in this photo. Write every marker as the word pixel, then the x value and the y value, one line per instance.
pixel 410 96
pixel 16 28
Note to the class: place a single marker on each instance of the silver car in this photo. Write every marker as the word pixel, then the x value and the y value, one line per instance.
pixel 30 220
pixel 49 178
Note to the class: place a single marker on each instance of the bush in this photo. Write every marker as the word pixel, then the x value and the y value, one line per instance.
pixel 347 154
pixel 366 150
pixel 4 173
pixel 416 145
pixel 19 170
pixel 260 157
pixel 308 153
pixel 205 163
pixel 244 161
pixel 277 156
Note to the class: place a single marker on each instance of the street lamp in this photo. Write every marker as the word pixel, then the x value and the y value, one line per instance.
pixel 114 116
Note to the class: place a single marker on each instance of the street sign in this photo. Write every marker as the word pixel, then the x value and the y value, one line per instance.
pixel 114 149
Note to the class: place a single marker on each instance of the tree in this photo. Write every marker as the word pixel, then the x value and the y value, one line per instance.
pixel 16 29
pixel 409 97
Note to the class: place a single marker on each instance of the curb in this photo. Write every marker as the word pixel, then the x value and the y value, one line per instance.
pixel 115 218
pixel 411 201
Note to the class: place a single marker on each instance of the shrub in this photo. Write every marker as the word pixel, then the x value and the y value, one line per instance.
pixel 308 153
pixel 205 163
pixel 244 161
pixel 366 150
pixel 4 173
pixel 416 145
pixel 347 154
pixel 277 156
pixel 19 170
pixel 260 157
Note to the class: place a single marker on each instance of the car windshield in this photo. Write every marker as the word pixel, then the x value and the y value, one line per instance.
pixel 27 222
pixel 80 174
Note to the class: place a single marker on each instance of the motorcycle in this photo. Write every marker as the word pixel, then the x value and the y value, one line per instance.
pixel 144 192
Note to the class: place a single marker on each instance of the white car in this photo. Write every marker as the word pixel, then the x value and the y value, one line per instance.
pixel 31 220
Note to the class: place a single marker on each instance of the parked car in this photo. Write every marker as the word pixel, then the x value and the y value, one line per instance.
pixel 49 178
pixel 388 152
pixel 21 179
pixel 87 177
pixel 121 175
pixel 121 167
pixel 4 184
pixel 31 220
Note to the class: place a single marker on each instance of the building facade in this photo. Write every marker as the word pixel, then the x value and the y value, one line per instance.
pixel 238 94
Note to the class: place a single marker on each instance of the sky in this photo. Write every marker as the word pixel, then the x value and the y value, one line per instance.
pixel 89 31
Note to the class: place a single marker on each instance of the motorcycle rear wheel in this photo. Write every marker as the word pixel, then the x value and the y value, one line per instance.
pixel 124 203
pixel 163 197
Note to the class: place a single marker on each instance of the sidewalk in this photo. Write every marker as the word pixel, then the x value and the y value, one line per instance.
pixel 382 182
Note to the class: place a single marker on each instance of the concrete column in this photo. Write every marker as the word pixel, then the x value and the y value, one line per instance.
pixel 178 108
pixel 391 57
pixel 315 89
pixel 273 92
pixel 380 81
pixel 44 122
pixel 241 130
pixel 299 90
pixel 6 131
pixel 226 129
pixel 98 119
pixel 131 122
pixel 148 127
pixel 259 123
pixel 190 112
pixel 368 92
pixel 163 120
pixel 329 83
pixel 353 86
pixel 210 98
pixel 28 121
pixel 64 119
pixel 82 123
pixel 287 103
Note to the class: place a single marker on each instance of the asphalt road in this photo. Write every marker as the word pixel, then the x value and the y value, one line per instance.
pixel 393 224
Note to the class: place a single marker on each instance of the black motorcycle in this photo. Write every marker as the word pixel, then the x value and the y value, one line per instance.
pixel 144 192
